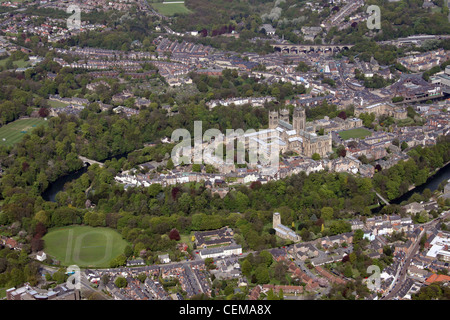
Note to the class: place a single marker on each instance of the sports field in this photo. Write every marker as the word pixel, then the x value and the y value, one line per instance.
pixel 14 131
pixel 354 133
pixel 84 246
pixel 169 8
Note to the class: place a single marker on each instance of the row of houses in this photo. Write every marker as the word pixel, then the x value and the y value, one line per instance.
pixel 253 101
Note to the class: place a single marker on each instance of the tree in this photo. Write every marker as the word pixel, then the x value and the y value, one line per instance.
pixel 246 268
pixel 305 234
pixel 315 157
pixel 348 272
pixel 404 145
pixel 302 67
pixel 262 274
pixel 105 279
pixel 128 251
pixel 121 282
pixel 228 290
pixel 327 213
pixel 209 263
pixel 170 165
pixel 42 217
pixel 120 260
pixel 358 236
pixel 174 235
pixel 342 115
pixel 267 257
pixel 37 244
pixel 43 112
pixel 59 276
pixel 142 277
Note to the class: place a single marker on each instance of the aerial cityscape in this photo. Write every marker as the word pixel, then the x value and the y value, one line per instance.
pixel 237 150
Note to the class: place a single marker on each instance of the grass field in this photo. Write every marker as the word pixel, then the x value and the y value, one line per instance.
pixel 14 131
pixel 84 246
pixel 354 133
pixel 169 9
pixel 19 63
pixel 56 104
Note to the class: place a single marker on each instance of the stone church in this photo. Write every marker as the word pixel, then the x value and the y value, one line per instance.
pixel 299 136
pixel 281 230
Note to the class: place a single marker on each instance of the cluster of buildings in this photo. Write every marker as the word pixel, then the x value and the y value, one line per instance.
pixel 305 262
pixel 205 239
pixel 442 78
pixel 425 61
pixel 413 88
pixel 383 109
pixel 297 136
pixel 27 292
pixel 338 18
pixel 10 243
pixel 53 29
pixel 253 101
pixel 96 5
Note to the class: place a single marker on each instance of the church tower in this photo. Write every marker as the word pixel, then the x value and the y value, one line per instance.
pixel 299 119
pixel 276 219
pixel 273 119
pixel 284 115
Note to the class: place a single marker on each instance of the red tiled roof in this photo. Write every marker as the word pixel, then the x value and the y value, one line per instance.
pixel 437 278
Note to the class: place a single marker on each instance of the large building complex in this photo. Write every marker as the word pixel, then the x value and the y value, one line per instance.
pixel 299 136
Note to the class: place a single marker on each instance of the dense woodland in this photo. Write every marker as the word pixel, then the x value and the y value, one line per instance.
pixel 230 84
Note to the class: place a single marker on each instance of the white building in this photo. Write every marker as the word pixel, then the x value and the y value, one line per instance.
pixel 221 251
pixel 440 247
pixel 164 258
pixel 41 256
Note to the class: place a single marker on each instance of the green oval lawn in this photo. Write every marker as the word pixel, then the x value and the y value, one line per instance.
pixel 84 246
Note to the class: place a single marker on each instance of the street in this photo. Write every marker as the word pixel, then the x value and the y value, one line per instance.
pixel 401 274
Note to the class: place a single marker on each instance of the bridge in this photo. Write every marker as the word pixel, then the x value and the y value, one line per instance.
pixel 305 48
pixel 382 199
pixel 90 161
pixel 446 91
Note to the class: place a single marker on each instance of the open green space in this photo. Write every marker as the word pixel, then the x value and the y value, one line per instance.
pixel 14 131
pixel 187 238
pixel 84 246
pixel 355 133
pixel 56 104
pixel 19 63
pixel 169 9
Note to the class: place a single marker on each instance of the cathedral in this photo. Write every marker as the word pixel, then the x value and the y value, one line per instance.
pixel 299 136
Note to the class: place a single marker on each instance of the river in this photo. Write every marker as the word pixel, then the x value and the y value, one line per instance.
pixel 50 193
pixel 432 183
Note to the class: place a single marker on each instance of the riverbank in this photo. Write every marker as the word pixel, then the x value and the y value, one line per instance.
pixel 49 194
pixel 432 183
